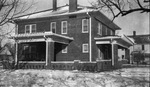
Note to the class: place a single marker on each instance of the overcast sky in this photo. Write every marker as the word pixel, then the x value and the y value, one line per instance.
pixel 133 22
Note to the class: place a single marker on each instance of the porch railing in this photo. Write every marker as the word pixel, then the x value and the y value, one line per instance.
pixel 70 65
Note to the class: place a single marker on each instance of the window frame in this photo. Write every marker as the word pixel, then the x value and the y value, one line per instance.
pixel 51 28
pixel 83 25
pixel 62 27
pixel 100 28
pixel 111 32
pixel 83 48
pixel 30 28
pixel 106 32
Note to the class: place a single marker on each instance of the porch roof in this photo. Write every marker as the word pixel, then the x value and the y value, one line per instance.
pixel 122 41
pixel 42 36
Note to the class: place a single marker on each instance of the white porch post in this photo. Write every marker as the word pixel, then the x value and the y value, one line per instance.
pixel 112 50
pixel 49 52
pixel 16 53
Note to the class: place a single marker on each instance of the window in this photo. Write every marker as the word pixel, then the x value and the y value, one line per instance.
pixel 53 27
pixel 65 49
pixel 99 28
pixel 84 25
pixel 111 32
pixel 27 29
pixel 64 27
pixel 99 54
pixel 30 28
pixel 85 48
pixel 106 30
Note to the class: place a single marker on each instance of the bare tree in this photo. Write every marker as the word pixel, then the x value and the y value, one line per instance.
pixel 122 7
pixel 9 9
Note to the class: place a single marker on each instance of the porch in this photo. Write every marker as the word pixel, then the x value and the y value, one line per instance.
pixel 38 50
pixel 109 49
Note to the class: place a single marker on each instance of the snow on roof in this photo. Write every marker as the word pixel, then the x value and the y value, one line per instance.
pixel 63 10
pixel 123 37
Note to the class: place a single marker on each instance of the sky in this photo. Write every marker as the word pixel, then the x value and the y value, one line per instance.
pixel 136 21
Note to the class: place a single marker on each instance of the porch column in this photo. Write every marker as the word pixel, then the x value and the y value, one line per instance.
pixel 127 54
pixel 112 50
pixel 49 52
pixel 114 55
pixel 16 53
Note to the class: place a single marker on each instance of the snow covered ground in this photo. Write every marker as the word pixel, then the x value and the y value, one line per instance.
pixel 126 77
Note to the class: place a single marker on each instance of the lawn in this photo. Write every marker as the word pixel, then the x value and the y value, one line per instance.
pixel 125 77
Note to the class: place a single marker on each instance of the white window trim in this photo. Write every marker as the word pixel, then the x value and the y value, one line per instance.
pixel 83 26
pixel 62 27
pixel 99 28
pixel 65 50
pixel 51 26
pixel 30 27
pixel 83 47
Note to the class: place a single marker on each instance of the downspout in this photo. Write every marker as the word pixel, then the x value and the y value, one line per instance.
pixel 90 38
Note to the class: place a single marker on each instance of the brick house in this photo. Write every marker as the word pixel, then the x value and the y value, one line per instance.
pixel 66 35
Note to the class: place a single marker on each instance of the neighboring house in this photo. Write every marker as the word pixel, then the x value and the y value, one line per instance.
pixel 5 54
pixel 142 43
pixel 66 34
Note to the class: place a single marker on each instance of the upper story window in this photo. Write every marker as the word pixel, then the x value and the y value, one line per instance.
pixel 99 28
pixel 106 32
pixel 111 32
pixel 64 27
pixel 53 27
pixel 85 48
pixel 30 28
pixel 84 25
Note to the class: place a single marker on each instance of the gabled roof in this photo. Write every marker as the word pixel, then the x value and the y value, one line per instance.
pixel 141 39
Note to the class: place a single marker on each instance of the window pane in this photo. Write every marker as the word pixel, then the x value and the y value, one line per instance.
pixel 64 27
pixel 85 48
pixel 100 28
pixel 64 30
pixel 53 27
pixel 27 29
pixel 33 28
pixel 84 25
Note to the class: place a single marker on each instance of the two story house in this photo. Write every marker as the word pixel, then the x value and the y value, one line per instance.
pixel 142 44
pixel 68 33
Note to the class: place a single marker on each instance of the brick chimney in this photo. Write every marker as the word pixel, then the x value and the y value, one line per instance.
pixel 72 5
pixel 54 5
pixel 134 33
